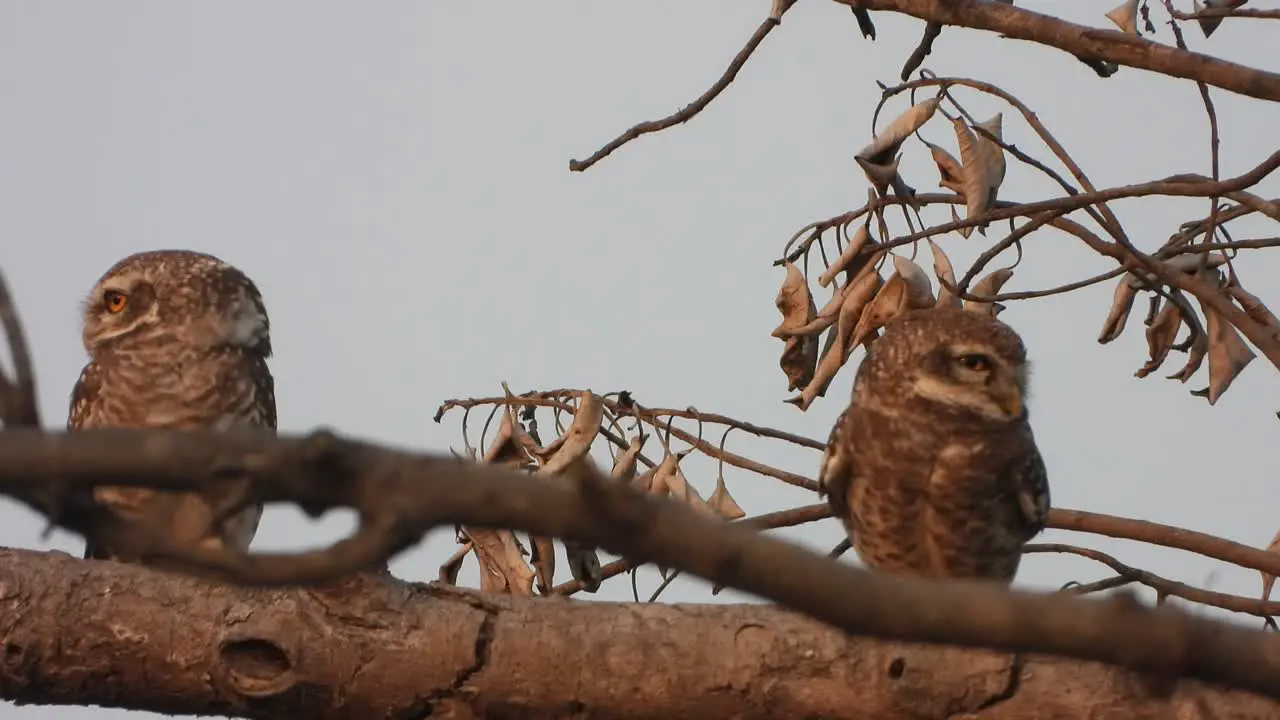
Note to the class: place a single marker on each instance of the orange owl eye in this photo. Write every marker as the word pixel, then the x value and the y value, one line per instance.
pixel 115 300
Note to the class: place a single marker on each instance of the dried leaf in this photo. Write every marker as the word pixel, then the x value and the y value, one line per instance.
pixel 450 568
pixel 951 174
pixel 1209 24
pixel 1195 357
pixel 502 565
pixel 975 172
pixel 994 155
pixel 1269 580
pixel 680 489
pixel 662 479
pixel 644 481
pixel 1125 16
pixel 543 559
pixel 946 276
pixel 1121 306
pixel 584 565
pixel 988 286
pixel 624 468
pixel 919 293
pixel 799 353
pixel 723 503
pixel 1187 263
pixel 857 296
pixel 1162 333
pixel 577 440
pixel 889 303
pixel 506 448
pixel 1253 307
pixel 885 145
pixel 1228 353
pixel 856 243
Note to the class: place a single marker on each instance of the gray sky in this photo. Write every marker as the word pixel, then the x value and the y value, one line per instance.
pixel 394 177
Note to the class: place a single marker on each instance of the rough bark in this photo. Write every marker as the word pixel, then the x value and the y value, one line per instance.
pixel 85 632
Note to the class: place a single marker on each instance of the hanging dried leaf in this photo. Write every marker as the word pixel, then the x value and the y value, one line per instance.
pixel 946 276
pixel 502 565
pixel 624 468
pixel 885 145
pixel 1195 356
pixel 681 490
pixel 1125 16
pixel 723 503
pixel 506 448
pixel 450 568
pixel 858 295
pixel 988 286
pixel 1189 263
pixel 880 174
pixel 855 246
pixel 1162 333
pixel 949 170
pixel 1253 307
pixel 1269 580
pixel 975 172
pixel 584 565
pixel 577 440
pixel 799 353
pixel 543 559
pixel 644 481
pixel 994 155
pixel 1228 353
pixel 662 479
pixel 1209 24
pixel 919 293
pixel 1121 306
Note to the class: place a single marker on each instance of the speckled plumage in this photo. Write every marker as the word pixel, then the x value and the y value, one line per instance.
pixel 188 350
pixel 933 466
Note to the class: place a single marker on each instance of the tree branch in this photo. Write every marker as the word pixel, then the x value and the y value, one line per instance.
pixel 400 496
pixel 1087 42
pixel 128 636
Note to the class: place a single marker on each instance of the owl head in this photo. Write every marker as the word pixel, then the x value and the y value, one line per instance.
pixel 963 362
pixel 163 298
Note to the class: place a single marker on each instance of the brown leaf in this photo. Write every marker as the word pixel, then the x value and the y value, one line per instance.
pixel 1162 333
pixel 1195 357
pixel 1253 307
pixel 506 448
pixel 502 565
pixel 976 171
pixel 1125 16
pixel 885 145
pixel 543 559
pixel 994 155
pixel 919 291
pixel 949 169
pixel 988 286
pixel 946 276
pixel 644 481
pixel 855 246
pixel 799 353
pixel 584 565
pixel 624 468
pixel 1121 306
pixel 1269 580
pixel 1209 24
pixel 680 489
pixel 662 479
pixel 722 502
pixel 450 568
pixel 576 441
pixel 1228 353
pixel 858 295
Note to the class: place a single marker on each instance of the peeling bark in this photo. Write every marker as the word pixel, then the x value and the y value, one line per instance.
pixel 88 632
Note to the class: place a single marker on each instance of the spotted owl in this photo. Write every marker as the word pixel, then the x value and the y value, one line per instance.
pixel 933 467
pixel 176 339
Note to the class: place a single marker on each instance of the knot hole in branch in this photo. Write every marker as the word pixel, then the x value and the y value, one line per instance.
pixel 897 668
pixel 257 668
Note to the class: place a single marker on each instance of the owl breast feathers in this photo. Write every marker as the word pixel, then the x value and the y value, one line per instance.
pixel 179 340
pixel 933 467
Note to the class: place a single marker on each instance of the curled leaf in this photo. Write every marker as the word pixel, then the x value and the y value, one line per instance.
pixel 919 291
pixel 950 172
pixel 584 565
pixel 946 276
pixel 450 568
pixel 624 468
pixel 855 246
pixel 1121 306
pixel 799 352
pixel 906 289
pixel 988 286
pixel 857 296
pixel 1269 580
pixel 975 172
pixel 885 145
pixel 507 448
pixel 993 154
pixel 1195 355
pixel 722 502
pixel 1253 307
pixel 543 559
pixel 680 489
pixel 1125 16
pixel 577 440
pixel 644 481
pixel 1228 353
pixel 1161 334
pixel 1209 24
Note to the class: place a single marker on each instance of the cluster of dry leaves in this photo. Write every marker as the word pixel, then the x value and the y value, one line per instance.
pixel 517 444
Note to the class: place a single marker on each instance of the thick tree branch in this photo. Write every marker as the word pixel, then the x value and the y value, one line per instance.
pixel 88 632
pixel 401 496
pixel 1087 42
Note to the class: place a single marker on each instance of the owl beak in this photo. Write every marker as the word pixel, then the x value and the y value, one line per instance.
pixel 1011 402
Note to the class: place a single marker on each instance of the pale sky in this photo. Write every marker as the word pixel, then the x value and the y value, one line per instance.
pixel 394 177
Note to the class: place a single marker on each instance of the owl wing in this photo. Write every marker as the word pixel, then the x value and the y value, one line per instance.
pixel 1028 477
pixel 836 472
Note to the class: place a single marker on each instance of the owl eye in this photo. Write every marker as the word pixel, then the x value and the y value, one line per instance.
pixel 115 301
pixel 975 362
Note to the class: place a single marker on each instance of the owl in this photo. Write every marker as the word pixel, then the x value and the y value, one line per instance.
pixel 176 339
pixel 933 467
